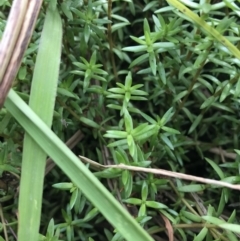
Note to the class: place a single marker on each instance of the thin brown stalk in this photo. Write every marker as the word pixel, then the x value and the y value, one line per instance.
pixel 220 151
pixel 110 39
pixel 71 143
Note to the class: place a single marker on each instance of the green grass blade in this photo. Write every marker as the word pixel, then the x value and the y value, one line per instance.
pixel 207 28
pixel 42 100
pixel 75 169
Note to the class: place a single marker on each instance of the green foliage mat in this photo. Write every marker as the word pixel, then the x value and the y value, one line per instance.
pixel 147 84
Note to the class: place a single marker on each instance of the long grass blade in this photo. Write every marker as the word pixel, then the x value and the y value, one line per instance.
pixel 42 100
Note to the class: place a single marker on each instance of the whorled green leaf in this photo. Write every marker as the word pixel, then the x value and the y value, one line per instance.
pixel 91 214
pixel 180 95
pixel 195 123
pixel 216 168
pixel 66 10
pixel 202 234
pixel 191 188
pixel 144 191
pixel 153 62
pixel 167 116
pixel 144 131
pixel 63 185
pixel 125 175
pixel 214 220
pixel 166 140
pixel 141 59
pixel 155 205
pixel 170 130
pixel 142 210
pixel 89 122
pixel 128 122
pixel 116 134
pixel 221 204
pixel 134 201
pixel 225 92
pixel 207 102
pixel 191 216
pixel 73 198
pixel 129 186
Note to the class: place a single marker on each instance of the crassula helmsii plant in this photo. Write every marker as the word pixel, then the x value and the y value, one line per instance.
pixel 149 84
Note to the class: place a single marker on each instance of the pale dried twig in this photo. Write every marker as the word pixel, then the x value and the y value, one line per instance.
pixel 11 33
pixel 163 172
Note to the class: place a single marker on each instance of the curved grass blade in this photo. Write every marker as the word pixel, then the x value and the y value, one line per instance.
pixel 75 170
pixel 207 28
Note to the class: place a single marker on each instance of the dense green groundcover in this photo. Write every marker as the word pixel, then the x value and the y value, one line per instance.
pixel 143 83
